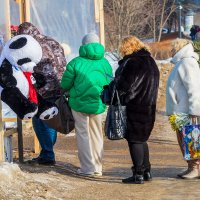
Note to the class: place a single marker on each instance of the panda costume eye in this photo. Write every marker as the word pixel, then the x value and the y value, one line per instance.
pixel 19 43
pixel 23 61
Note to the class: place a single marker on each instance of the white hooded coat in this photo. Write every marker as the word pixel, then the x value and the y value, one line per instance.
pixel 183 85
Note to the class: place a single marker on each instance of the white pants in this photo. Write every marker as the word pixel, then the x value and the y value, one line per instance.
pixel 89 137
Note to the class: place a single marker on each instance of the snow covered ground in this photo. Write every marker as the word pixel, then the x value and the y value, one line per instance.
pixel 8 113
pixel 166 61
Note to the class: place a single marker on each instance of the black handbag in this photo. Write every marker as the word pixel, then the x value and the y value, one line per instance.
pixel 63 122
pixel 115 125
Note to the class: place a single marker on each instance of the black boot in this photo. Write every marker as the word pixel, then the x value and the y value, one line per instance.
pixel 137 177
pixel 129 179
pixel 147 174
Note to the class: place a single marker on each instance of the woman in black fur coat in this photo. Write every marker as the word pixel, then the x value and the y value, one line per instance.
pixel 137 81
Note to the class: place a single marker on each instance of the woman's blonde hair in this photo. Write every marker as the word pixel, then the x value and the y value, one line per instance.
pixel 178 44
pixel 130 45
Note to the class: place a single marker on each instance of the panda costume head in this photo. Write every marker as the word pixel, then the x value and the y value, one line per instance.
pixel 22 51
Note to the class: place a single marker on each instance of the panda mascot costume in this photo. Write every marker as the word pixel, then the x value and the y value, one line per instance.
pixel 18 81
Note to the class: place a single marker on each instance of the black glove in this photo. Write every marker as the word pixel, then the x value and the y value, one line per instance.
pixel 40 80
pixel 6 75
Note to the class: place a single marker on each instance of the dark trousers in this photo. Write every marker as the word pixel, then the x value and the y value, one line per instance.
pixel 47 138
pixel 139 152
pixel 193 37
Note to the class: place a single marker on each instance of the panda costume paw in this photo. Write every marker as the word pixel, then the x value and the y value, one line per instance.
pixel 48 114
pixel 46 109
pixel 13 97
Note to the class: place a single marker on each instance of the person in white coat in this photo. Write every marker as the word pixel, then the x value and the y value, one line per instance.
pixel 183 92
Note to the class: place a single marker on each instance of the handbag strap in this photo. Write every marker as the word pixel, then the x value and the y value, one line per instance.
pixel 118 104
pixel 113 94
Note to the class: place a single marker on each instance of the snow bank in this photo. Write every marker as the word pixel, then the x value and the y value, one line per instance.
pixel 17 185
pixel 9 172
pixel 166 61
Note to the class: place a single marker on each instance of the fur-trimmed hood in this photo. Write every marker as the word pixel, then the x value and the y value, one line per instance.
pixel 186 52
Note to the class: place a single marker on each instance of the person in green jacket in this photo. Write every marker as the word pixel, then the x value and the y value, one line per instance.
pixel 84 78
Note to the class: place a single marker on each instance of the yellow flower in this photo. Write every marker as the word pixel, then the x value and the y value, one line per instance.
pixel 172 120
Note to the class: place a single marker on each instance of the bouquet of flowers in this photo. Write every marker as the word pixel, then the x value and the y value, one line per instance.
pixel 178 120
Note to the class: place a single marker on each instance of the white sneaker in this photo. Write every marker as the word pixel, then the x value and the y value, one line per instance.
pixel 98 174
pixel 79 172
pixel 90 174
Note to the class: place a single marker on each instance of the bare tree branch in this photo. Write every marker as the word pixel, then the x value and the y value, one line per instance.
pixel 143 18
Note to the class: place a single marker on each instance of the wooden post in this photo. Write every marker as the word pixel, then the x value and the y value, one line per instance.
pixel 27 14
pixel 21 12
pixel 2 154
pixel 20 140
pixel 99 18
pixel 24 8
pixel 7 22
pixel 102 31
pixel 96 11
pixel 37 147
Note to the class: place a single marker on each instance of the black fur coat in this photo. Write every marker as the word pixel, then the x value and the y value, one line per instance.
pixel 137 80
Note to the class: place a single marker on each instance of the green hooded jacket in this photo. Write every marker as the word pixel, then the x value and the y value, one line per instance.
pixel 85 77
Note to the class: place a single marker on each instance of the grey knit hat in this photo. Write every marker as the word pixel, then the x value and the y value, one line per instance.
pixel 90 38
